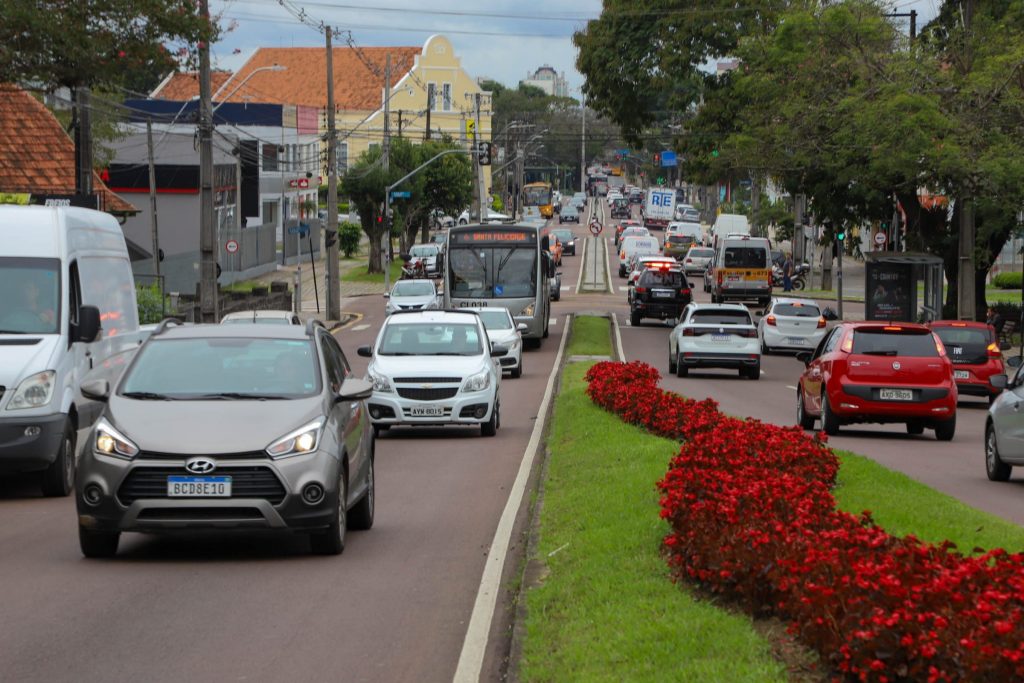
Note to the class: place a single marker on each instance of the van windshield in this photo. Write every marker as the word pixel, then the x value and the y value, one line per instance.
pixel 31 300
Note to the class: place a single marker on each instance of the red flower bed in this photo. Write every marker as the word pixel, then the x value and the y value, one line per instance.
pixel 753 518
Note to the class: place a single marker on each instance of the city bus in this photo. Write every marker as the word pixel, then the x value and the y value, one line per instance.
pixel 537 201
pixel 501 265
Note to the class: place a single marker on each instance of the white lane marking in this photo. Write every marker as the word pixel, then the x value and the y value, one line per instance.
pixel 790 386
pixel 552 321
pixel 566 288
pixel 608 271
pixel 583 258
pixel 474 646
pixel 360 328
pixel 618 338
pixel 762 372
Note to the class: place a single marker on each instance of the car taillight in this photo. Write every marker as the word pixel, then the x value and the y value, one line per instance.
pixel 821 322
pixel 641 290
pixel 770 320
pixel 847 346
pixel 748 333
pixel 684 292
pixel 688 332
pixel 993 350
pixel 689 260
pixel 622 255
pixel 939 347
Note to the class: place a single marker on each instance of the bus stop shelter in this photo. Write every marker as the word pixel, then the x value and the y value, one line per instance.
pixel 891 282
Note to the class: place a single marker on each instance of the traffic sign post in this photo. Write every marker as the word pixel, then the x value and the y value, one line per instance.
pixel 880 239
pixel 400 194
pixel 231 246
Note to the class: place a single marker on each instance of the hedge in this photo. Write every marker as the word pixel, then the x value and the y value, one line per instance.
pixel 1010 280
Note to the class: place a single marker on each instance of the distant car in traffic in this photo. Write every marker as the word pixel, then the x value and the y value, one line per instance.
pixel 431 255
pixel 569 214
pixel 261 318
pixel 697 260
pixel 411 295
pixel 229 428
pixel 661 292
pixel 502 330
pixel 568 240
pixel 791 324
pixel 876 372
pixel 715 336
pixel 976 354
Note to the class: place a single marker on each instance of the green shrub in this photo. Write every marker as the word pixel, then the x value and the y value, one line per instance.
pixel 497 204
pixel 1010 280
pixel 343 208
pixel 349 235
pixel 148 300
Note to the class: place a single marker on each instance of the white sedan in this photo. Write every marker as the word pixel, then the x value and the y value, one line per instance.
pixel 715 336
pixel 792 325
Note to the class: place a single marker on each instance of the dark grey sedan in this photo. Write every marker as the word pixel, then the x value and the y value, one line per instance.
pixel 228 427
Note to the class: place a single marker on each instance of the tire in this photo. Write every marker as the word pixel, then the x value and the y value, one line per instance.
pixel 380 429
pixel 490 428
pixel 634 318
pixel 754 372
pixel 360 518
pixel 798 284
pixel 681 369
pixel 915 427
pixel 763 303
pixel 98 544
pixel 58 479
pixel 517 371
pixel 829 422
pixel 558 295
pixel 944 431
pixel 622 272
pixel 995 468
pixel 546 330
pixel 331 541
pixel 765 351
pixel 672 363
pixel 805 421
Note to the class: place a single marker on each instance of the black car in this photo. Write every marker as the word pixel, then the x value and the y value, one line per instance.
pixel 661 292
pixel 636 197
pixel 568 240
pixel 621 208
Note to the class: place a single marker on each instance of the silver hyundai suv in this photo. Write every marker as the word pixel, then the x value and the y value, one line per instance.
pixel 228 427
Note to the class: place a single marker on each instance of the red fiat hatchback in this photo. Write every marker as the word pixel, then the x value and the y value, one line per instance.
pixel 975 353
pixel 878 372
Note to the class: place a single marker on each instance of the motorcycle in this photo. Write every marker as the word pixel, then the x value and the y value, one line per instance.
pixel 798 279
pixel 414 269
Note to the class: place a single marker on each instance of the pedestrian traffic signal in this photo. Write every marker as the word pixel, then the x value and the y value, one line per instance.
pixel 841 234
pixel 657 158
pixel 483 153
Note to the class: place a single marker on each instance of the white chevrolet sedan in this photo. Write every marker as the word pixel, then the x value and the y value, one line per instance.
pixel 791 325
pixel 715 336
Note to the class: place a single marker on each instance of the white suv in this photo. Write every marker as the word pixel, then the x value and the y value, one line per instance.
pixel 715 336
pixel 434 368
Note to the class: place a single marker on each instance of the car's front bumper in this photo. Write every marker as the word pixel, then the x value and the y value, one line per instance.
pixel 28 444
pixel 266 494
pixel 391 409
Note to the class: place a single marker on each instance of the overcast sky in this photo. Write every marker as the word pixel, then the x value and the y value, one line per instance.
pixel 499 39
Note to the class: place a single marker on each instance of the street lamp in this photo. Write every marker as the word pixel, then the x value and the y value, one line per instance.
pixel 275 67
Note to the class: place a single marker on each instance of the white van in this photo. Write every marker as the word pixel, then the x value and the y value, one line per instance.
pixel 633 246
pixel 741 270
pixel 67 307
pixel 729 224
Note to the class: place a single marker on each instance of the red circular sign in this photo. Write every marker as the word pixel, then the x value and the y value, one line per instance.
pixel 231 246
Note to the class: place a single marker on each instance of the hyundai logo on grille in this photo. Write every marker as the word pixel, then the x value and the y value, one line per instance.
pixel 200 466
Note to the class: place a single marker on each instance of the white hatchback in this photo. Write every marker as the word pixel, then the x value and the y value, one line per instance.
pixel 715 336
pixel 434 368
pixel 503 331
pixel 792 325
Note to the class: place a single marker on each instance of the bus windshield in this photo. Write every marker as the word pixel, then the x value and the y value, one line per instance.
pixel 499 272
pixel 538 195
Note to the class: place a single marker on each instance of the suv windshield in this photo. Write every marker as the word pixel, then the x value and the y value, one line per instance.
pixel 31 300
pixel 413 289
pixel 495 320
pixel 894 342
pixel 720 318
pixel 430 339
pixel 223 367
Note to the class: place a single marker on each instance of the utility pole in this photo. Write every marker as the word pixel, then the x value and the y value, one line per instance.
pixel 840 245
pixel 332 277
pixel 386 151
pixel 83 181
pixel 208 303
pixel 481 191
pixel 152 201
pixel 399 123
pixel 430 105
pixel 965 271
pixel 583 145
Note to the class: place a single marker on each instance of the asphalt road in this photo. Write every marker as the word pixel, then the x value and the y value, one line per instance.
pixel 956 467
pixel 393 607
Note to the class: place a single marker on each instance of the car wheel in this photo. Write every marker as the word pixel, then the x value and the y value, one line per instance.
pixel 829 422
pixel 380 429
pixel 992 398
pixel 945 430
pixel 332 540
pixel 98 543
pixel 681 369
pixel 995 468
pixel 765 351
pixel 558 294
pixel 754 372
pixel 517 371
pixel 915 427
pixel 634 318
pixel 805 421
pixel 59 478
pixel 490 428
pixel 622 272
pixel 361 516
pixel 671 362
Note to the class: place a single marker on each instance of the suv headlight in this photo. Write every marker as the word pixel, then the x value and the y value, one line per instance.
pixel 109 441
pixel 380 382
pixel 478 382
pixel 303 440
pixel 34 391
pixel 528 310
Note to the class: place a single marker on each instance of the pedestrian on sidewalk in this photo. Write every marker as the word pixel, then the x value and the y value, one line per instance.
pixel 995 320
pixel 787 273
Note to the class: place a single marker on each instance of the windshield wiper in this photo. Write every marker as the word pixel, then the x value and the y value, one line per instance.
pixel 18 332
pixel 236 395
pixel 146 396
pixel 397 353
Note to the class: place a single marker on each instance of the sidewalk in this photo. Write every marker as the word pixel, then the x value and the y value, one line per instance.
pixel 311 292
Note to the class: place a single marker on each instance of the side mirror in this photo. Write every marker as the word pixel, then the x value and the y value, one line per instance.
pixel 99 390
pixel 365 351
pixel 1014 361
pixel 498 351
pixel 386 295
pixel 353 389
pixel 405 257
pixel 829 314
pixel 1004 346
pixel 998 381
pixel 522 327
pixel 804 357
pixel 88 328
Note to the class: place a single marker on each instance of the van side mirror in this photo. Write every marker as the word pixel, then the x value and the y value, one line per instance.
pixel 99 390
pixel 88 327
pixel 522 327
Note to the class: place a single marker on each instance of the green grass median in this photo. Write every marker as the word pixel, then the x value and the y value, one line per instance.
pixel 358 274
pixel 591 336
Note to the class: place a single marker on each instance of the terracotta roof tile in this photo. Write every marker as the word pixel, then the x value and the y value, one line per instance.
pixel 37 155
pixel 304 81
pixel 185 85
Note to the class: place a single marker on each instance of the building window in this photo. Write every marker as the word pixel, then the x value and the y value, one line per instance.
pixel 374 146
pixel 446 96
pixel 269 213
pixel 432 96
pixel 270 158
pixel 341 152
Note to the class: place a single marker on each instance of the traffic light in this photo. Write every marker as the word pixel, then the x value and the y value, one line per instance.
pixel 714 153
pixel 330 239
pixel 841 234
pixel 657 158
pixel 483 153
